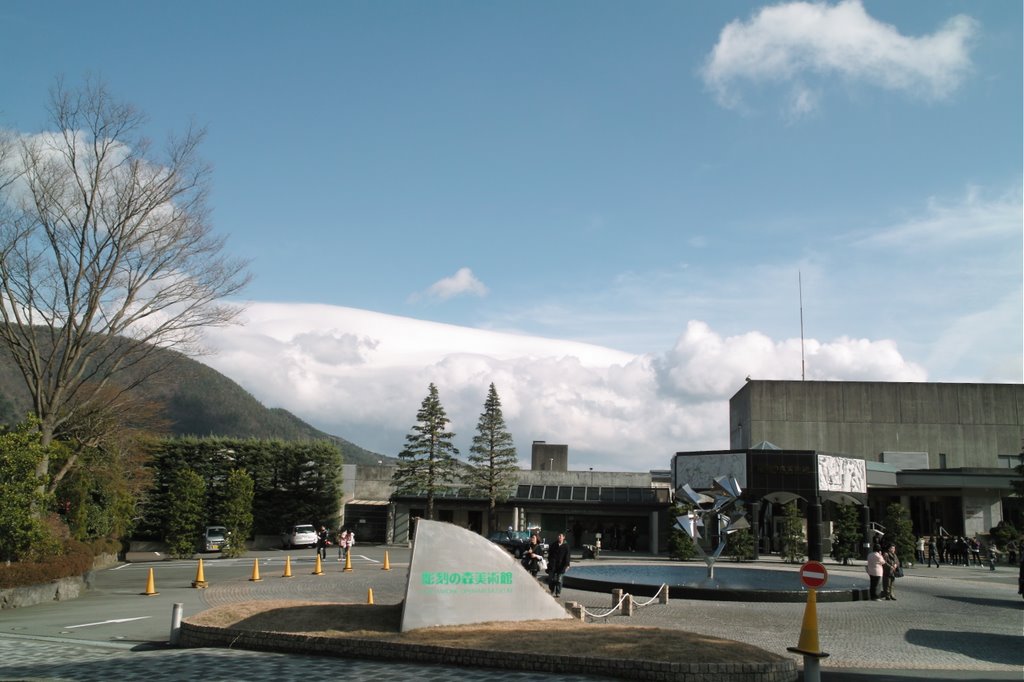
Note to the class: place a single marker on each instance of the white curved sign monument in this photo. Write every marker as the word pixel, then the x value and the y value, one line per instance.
pixel 457 577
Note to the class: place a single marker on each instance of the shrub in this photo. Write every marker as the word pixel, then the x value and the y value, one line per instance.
pixel 680 546
pixel 26 535
pixel 76 559
pixel 740 545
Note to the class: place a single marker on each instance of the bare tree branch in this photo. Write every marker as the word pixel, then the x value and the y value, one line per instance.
pixel 106 254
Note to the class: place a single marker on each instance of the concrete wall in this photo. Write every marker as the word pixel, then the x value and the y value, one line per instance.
pixel 970 423
pixel 366 481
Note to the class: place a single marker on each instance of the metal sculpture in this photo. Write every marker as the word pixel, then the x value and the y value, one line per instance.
pixel 725 494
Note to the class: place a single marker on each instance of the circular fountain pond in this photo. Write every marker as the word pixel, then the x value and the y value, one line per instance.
pixel 730 583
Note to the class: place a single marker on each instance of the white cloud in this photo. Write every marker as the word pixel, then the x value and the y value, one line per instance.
pixel 798 41
pixel 363 375
pixel 951 224
pixel 463 282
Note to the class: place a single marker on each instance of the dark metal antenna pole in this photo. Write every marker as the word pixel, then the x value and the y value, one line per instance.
pixel 800 286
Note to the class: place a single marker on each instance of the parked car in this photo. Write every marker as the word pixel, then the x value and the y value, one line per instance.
pixel 515 541
pixel 214 538
pixel 301 535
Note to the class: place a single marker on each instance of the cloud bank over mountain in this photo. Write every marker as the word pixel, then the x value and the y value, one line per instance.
pixel 362 375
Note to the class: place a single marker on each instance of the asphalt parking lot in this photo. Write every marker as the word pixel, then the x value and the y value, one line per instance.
pixel 948 623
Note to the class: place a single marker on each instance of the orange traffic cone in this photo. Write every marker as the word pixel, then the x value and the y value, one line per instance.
pixel 150 585
pixel 348 562
pixel 255 571
pixel 387 564
pixel 287 567
pixel 200 581
pixel 369 596
pixel 808 644
pixel 319 569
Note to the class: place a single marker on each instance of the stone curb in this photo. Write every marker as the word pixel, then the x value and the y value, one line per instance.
pixel 61 589
pixel 193 635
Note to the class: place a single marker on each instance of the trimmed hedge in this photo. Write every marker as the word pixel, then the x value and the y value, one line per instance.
pixel 76 560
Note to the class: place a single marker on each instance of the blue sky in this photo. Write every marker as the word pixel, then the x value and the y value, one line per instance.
pixel 603 207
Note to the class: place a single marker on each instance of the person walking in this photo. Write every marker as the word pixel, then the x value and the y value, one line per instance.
pixel 890 571
pixel 933 553
pixel 874 570
pixel 558 564
pixel 322 542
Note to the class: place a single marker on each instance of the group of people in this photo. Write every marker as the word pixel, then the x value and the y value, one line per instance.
pixel 884 568
pixel 555 564
pixel 954 551
pixel 346 540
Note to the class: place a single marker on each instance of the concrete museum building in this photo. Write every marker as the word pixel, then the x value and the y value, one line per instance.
pixel 946 452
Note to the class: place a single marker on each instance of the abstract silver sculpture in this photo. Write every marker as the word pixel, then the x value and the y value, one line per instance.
pixel 726 492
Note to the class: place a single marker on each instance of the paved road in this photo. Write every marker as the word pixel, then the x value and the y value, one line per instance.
pixel 948 623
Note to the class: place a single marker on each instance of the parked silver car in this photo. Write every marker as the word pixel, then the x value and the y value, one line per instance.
pixel 302 535
pixel 214 538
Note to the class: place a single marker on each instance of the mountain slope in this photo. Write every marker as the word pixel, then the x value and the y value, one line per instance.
pixel 197 401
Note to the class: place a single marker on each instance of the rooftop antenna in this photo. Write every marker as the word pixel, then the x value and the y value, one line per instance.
pixel 800 286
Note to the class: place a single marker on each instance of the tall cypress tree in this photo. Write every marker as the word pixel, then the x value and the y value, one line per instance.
pixel 427 465
pixel 493 459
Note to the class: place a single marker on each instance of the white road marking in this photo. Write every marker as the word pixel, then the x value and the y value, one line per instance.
pixel 105 622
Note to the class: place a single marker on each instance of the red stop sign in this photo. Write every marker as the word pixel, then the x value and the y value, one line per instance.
pixel 813 574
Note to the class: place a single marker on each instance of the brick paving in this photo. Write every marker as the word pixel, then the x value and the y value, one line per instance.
pixel 960 619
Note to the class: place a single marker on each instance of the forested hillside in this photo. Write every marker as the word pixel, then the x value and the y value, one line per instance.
pixel 196 401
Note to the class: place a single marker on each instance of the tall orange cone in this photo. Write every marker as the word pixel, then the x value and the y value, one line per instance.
pixel 287 567
pixel 319 569
pixel 369 596
pixel 808 644
pixel 255 571
pixel 348 561
pixel 150 585
pixel 387 564
pixel 200 581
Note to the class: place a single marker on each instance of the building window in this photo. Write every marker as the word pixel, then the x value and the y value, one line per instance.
pixel 1009 461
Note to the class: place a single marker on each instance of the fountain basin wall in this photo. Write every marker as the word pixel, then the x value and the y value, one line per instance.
pixel 731 583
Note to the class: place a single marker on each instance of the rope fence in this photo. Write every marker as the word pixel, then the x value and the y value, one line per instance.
pixel 625 604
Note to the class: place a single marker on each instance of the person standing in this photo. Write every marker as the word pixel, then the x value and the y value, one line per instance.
pixel 874 570
pixel 558 564
pixel 1020 576
pixel 350 542
pixel 889 571
pixel 342 536
pixel 919 550
pixel 532 556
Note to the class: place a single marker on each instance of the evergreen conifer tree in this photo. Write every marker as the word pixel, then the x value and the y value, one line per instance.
pixel 900 531
pixel 236 513
pixel 794 547
pixel 847 534
pixel 494 464
pixel 185 513
pixel 428 463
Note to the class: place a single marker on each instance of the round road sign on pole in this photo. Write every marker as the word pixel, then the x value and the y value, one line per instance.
pixel 813 574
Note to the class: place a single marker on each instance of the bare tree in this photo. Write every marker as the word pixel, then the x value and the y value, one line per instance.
pixel 106 255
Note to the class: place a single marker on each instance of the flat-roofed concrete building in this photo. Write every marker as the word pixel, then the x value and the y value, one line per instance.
pixel 945 451
pixel 614 510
